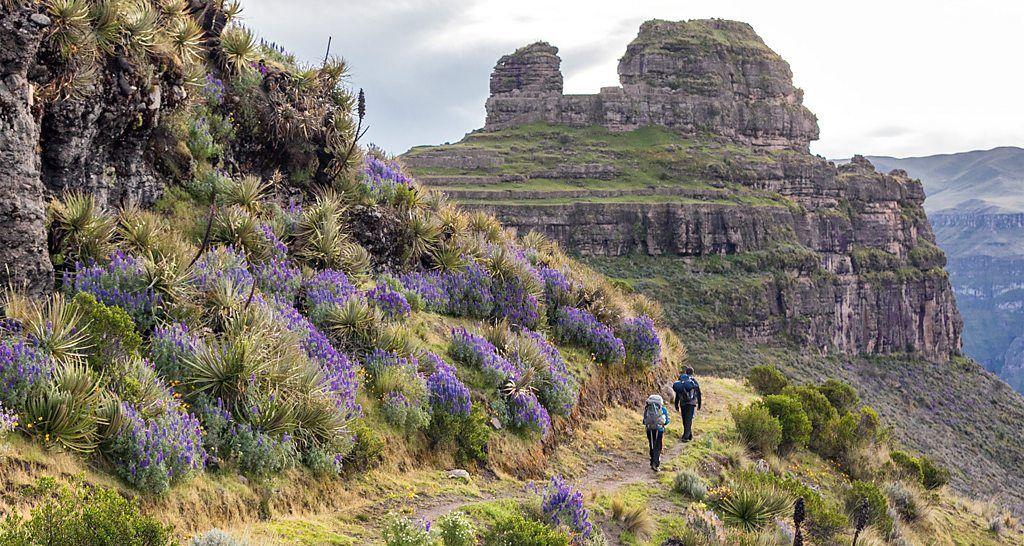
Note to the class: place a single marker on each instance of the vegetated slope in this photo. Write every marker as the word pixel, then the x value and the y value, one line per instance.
pixel 746 242
pixel 975 204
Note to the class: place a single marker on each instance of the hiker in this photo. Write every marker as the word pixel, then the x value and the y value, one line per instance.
pixel 687 400
pixel 655 420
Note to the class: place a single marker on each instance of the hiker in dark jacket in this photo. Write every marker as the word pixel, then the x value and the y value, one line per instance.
pixel 655 420
pixel 687 400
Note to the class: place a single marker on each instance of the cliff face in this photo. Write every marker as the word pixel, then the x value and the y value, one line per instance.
pixel 698 76
pixel 705 156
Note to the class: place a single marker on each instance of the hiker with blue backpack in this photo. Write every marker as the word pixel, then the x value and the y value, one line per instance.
pixel 655 420
pixel 687 400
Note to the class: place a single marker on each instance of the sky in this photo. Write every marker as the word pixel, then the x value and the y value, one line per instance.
pixel 894 77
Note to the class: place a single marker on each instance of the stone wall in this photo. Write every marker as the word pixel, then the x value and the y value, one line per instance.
pixel 694 76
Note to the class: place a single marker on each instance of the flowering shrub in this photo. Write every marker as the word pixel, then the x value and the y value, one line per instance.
pixel 557 289
pixel 641 341
pixel 469 292
pixel 403 413
pixel 447 393
pixel 429 286
pixel 328 287
pixel 579 327
pixel 403 390
pixel 514 303
pixel 8 420
pixel 391 302
pixel 561 504
pixel 151 453
pixel 473 350
pixel 338 369
pixel 22 368
pixel 525 413
pixel 277 276
pixel 171 346
pixel 120 282
pixel 379 176
pixel 258 453
pixel 222 265
pixel 556 391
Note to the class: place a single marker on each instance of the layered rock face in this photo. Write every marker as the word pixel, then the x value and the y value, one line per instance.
pixel 702 156
pixel 24 261
pixel 695 76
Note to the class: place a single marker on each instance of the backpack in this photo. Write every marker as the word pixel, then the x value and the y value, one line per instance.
pixel 690 391
pixel 653 415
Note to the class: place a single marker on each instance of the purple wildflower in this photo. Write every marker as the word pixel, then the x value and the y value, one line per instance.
pixel 579 327
pixel 447 393
pixel 391 302
pixel 641 341
pixel 222 264
pixel 23 367
pixel 120 282
pixel 473 350
pixel 152 453
pixel 556 392
pixel 171 347
pixel 526 413
pixel 430 288
pixel 563 505
pixel 329 286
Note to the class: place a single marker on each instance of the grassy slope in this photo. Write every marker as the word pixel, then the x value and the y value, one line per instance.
pixel 650 157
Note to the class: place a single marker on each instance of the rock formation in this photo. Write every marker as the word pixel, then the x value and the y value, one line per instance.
pixel 699 76
pixel 24 261
pixel 850 262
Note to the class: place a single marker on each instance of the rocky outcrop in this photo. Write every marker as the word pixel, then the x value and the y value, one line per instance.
pixel 24 261
pixel 694 76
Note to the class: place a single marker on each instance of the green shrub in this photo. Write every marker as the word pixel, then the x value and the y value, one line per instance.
pixel 400 531
pixel 368 448
pixel 455 530
pixel 907 466
pixel 468 436
pixel 824 515
pixel 907 503
pixel 519 531
pixel 840 394
pixel 75 515
pixel 818 409
pixel 933 476
pixel 690 485
pixel 765 379
pixel 877 506
pixel 796 426
pixel 111 331
pixel 757 427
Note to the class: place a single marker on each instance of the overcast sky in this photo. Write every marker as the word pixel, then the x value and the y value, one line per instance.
pixel 892 77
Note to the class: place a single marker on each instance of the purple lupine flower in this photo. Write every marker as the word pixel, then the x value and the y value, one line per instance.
pixel 121 282
pixel 513 303
pixel 430 288
pixel 391 302
pixel 526 413
pixel 329 286
pixel 473 350
pixel 447 393
pixel 469 292
pixel 557 289
pixel 379 174
pixel 153 452
pixel 8 420
pixel 213 90
pixel 641 341
pixel 222 264
pixel 557 392
pixel 579 327
pixel 338 369
pixel 23 367
pixel 562 504
pixel 277 276
pixel 170 348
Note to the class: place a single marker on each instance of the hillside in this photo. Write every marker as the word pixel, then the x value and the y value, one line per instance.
pixel 757 250
pixel 975 202
pixel 229 321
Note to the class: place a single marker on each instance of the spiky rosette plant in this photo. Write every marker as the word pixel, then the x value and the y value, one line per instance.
pixel 238 48
pixel 80 230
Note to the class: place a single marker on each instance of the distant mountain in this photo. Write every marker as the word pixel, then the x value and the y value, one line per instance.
pixel 975 202
pixel 983 181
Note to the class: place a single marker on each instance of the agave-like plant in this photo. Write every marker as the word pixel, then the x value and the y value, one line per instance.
pixel 269 410
pixel 318 422
pixel 247 193
pixel 57 325
pixel 81 229
pixel 139 230
pixel 231 9
pixel 223 368
pixel 71 31
pixel 66 413
pixel 170 278
pixel 448 257
pixel 105 16
pixel 354 260
pixel 424 233
pixel 407 198
pixel 519 386
pixel 236 227
pixel 353 321
pixel 238 48
pixel 752 508
pixel 184 36
pixel 395 338
pixel 139 27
